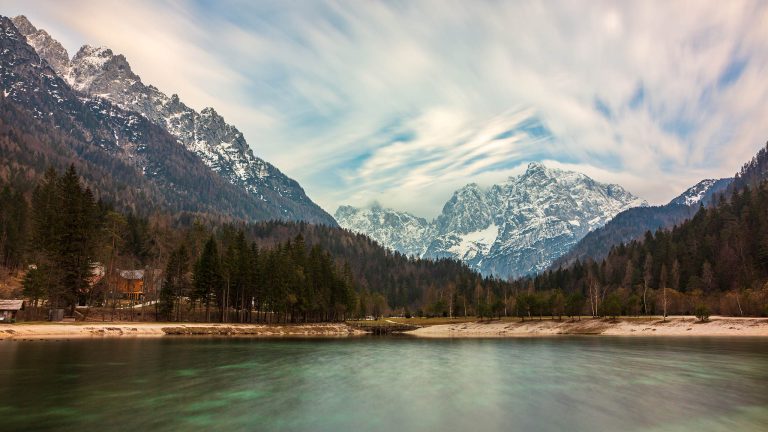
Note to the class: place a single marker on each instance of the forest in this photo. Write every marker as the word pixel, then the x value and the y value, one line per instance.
pixel 56 236
pixel 716 262
pixel 53 237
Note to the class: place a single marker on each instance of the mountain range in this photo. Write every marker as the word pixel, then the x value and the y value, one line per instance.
pixel 106 108
pixel 147 151
pixel 511 229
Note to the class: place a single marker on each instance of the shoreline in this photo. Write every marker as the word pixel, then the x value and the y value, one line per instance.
pixel 81 330
pixel 673 326
pixel 631 327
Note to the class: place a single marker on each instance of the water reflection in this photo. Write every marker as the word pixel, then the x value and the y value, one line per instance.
pixel 542 384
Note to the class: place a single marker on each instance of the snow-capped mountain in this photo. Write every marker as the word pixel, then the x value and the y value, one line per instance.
pixel 515 228
pixel 398 231
pixel 702 192
pixel 99 73
pixel 130 161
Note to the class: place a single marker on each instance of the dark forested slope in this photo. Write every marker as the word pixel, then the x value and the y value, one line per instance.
pixel 718 259
pixel 632 224
pixel 122 155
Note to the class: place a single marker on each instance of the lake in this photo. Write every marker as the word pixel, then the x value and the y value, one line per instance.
pixel 385 383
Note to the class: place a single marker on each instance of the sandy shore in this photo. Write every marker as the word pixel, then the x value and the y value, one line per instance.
pixel 674 326
pixel 23 331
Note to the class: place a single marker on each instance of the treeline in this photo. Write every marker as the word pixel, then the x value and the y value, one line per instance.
pixel 65 233
pixel 270 271
pixel 13 227
pixel 71 232
pixel 717 261
pixel 623 228
pixel 408 286
pixel 243 283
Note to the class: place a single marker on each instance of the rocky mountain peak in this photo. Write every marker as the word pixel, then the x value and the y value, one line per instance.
pixel 48 48
pixel 86 51
pixel 97 70
pixel 23 25
pixel 515 228
pixel 99 74
pixel 466 211
pixel 537 172
pixel 536 168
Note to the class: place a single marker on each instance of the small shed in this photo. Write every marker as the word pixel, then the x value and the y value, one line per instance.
pixel 9 309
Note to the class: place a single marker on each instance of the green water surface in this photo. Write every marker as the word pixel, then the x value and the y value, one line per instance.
pixel 385 384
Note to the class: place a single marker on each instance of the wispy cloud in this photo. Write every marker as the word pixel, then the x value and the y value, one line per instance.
pixel 403 102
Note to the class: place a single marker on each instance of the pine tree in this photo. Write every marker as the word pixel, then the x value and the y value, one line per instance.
pixel 175 284
pixel 208 276
pixel 76 237
pixel 13 227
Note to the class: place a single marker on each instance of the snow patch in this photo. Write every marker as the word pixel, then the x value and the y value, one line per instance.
pixel 476 242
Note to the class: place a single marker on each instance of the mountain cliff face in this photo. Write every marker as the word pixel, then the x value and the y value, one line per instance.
pixel 99 74
pixel 512 229
pixel 46 47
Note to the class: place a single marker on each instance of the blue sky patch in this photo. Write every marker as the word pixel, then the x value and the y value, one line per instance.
pixel 732 73
pixel 603 108
pixel 535 128
pixel 638 97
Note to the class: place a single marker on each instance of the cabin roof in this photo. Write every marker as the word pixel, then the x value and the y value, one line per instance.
pixel 132 274
pixel 12 305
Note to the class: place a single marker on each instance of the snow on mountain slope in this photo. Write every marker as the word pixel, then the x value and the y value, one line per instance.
pixel 398 231
pixel 515 228
pixel 99 73
pixel 132 162
pixel 702 192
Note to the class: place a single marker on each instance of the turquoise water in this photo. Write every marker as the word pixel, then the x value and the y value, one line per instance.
pixel 392 384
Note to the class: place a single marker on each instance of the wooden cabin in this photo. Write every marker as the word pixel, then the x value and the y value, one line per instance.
pixel 9 309
pixel 130 284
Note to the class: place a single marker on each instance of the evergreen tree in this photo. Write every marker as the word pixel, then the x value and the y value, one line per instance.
pixel 208 277
pixel 174 283
pixel 75 247
pixel 13 227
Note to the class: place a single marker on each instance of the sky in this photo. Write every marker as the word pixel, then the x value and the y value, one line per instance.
pixel 402 102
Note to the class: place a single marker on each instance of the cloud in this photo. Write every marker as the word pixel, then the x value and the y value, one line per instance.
pixel 403 102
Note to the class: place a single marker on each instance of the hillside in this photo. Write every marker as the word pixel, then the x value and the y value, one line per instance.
pixel 633 223
pixel 134 162
pixel 717 260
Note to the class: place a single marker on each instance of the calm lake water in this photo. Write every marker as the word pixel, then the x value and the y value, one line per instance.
pixel 393 384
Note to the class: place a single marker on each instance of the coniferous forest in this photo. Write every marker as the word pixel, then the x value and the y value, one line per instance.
pixel 717 261
pixel 57 239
